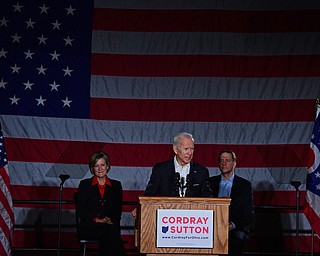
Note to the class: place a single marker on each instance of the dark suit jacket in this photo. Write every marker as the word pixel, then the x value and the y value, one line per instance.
pixel 89 202
pixel 162 181
pixel 241 211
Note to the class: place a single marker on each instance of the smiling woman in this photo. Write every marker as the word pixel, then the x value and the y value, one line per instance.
pixel 99 207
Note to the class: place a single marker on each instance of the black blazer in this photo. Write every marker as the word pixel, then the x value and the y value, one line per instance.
pixel 162 181
pixel 89 203
pixel 241 210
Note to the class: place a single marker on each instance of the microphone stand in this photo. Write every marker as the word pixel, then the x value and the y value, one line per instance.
pixel 63 178
pixel 296 185
pixel 177 182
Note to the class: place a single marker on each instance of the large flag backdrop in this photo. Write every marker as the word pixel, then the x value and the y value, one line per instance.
pixel 242 75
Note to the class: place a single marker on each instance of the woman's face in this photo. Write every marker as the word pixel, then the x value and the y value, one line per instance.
pixel 100 169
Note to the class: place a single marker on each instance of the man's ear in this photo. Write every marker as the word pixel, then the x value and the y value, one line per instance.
pixel 175 149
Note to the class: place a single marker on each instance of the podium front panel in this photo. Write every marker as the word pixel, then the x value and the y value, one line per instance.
pixel 148 223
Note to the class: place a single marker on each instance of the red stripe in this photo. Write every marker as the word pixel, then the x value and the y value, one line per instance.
pixel 205 65
pixel 4 176
pixel 312 217
pixel 272 198
pixel 277 198
pixel 5 230
pixel 6 205
pixel 49 193
pixel 147 20
pixel 76 152
pixel 198 110
pixel 273 241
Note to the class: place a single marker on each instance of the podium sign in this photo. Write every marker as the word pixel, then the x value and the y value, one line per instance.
pixel 157 213
pixel 184 228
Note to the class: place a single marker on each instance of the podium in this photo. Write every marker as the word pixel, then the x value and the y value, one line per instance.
pixel 147 235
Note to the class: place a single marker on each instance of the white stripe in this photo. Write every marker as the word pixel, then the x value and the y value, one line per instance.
pixel 157 132
pixel 205 43
pixel 210 4
pixel 205 88
pixel 136 178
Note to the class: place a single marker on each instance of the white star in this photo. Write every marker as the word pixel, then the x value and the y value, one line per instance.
pixel 28 54
pixel 15 69
pixel 66 102
pixel 17 7
pixel 3 83
pixel 44 9
pixel 41 70
pixel 28 85
pixel 14 100
pixel 318 186
pixel 30 23
pixel 3 53
pixel 41 101
pixel 55 55
pixel 4 22
pixel 70 10
pixel 67 71
pixel 16 38
pixel 68 40
pixel 54 86
pixel 42 39
pixel 56 25
pixel 317 175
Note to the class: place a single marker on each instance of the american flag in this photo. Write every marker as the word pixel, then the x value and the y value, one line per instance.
pixel 312 208
pixel 6 205
pixel 126 76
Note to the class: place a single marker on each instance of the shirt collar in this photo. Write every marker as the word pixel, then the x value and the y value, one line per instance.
pixel 96 182
pixel 228 180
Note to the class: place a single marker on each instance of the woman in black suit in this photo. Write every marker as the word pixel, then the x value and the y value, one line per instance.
pixel 99 205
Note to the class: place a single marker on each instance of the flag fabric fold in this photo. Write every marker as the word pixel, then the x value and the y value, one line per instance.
pixel 6 204
pixel 312 207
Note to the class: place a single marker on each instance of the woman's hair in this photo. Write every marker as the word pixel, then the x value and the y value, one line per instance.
pixel 94 159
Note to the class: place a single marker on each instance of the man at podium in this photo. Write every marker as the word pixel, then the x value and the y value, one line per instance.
pixel 179 176
pixel 241 211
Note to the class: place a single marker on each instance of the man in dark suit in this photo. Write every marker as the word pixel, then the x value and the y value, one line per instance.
pixel 179 176
pixel 241 211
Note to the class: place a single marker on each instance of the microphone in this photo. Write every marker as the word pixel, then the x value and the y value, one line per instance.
pixel 189 183
pixel 296 184
pixel 64 177
pixel 182 186
pixel 182 182
pixel 177 179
